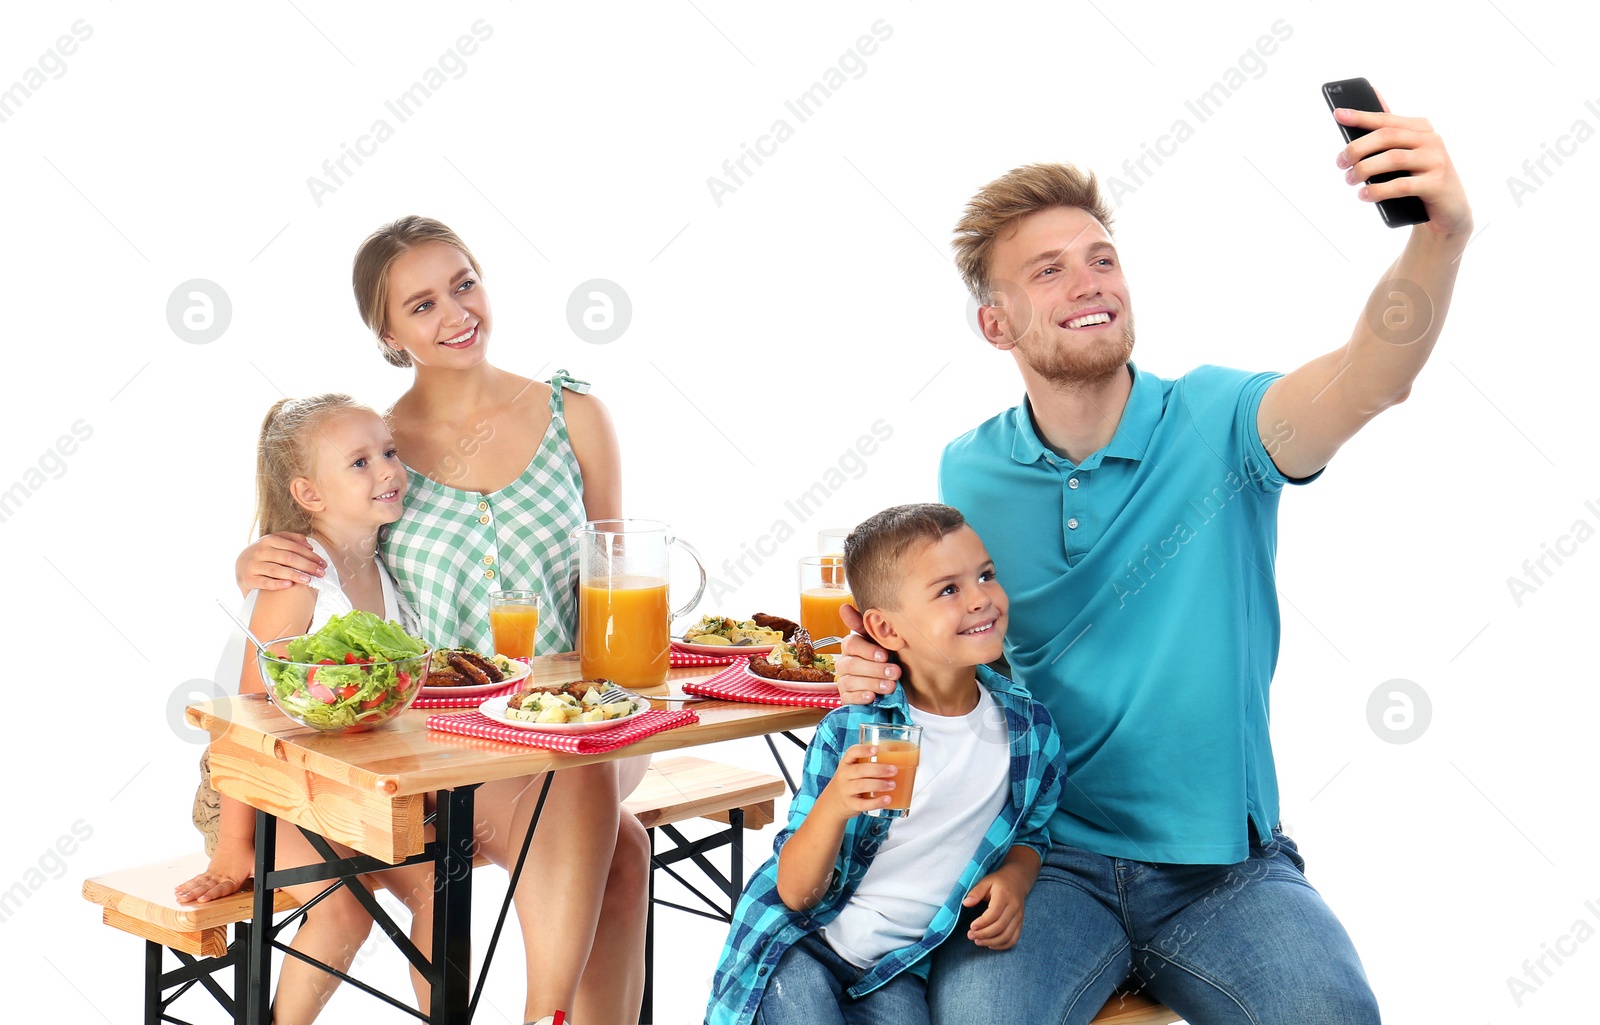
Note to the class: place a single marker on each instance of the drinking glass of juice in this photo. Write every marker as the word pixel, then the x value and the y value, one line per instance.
pixel 900 746
pixel 514 621
pixel 823 589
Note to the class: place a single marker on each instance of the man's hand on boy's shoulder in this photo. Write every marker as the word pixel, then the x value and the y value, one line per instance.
pixel 1006 889
pixel 862 669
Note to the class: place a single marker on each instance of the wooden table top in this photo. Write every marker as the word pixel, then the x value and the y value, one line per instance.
pixel 405 757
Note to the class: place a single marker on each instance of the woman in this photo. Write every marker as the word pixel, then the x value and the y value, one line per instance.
pixel 502 470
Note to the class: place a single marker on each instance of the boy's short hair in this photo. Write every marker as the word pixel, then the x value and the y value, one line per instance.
pixel 873 552
pixel 1014 195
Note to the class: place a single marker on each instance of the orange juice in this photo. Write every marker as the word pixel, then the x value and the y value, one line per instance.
pixel 819 612
pixel 514 627
pixel 906 756
pixel 622 630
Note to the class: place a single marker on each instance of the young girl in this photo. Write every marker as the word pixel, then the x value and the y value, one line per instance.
pixel 502 470
pixel 325 468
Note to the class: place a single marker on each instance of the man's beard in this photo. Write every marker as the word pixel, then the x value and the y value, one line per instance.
pixel 1076 368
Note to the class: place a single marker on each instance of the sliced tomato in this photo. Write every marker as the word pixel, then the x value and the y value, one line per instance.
pixel 404 679
pixel 311 674
pixel 377 699
pixel 348 691
pixel 350 658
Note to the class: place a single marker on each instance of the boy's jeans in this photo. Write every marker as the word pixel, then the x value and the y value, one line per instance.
pixel 1250 943
pixel 807 988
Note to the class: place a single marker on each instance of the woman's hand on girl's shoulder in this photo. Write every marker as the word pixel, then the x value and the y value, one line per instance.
pixel 277 561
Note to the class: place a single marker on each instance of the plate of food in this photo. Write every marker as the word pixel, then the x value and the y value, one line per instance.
pixel 795 666
pixel 564 708
pixel 715 635
pixel 462 672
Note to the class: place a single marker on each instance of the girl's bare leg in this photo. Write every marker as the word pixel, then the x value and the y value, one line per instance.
pixel 331 932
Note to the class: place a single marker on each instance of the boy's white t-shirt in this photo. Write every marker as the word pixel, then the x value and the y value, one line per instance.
pixel 963 781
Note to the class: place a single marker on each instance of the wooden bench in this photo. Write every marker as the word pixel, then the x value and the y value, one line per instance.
pixel 680 788
pixel 1134 1009
pixel 140 901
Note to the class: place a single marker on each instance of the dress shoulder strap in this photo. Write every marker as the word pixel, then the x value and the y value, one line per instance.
pixel 561 381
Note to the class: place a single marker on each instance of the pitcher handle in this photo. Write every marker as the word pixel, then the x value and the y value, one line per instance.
pixel 699 565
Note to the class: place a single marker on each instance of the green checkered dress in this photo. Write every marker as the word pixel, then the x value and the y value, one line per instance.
pixel 450 548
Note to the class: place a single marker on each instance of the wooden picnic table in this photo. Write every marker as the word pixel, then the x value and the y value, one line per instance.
pixel 370 791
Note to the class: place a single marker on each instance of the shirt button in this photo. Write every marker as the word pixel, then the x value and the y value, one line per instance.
pixel 488 574
pixel 1072 482
pixel 482 506
pixel 488 560
pixel 1072 524
pixel 483 519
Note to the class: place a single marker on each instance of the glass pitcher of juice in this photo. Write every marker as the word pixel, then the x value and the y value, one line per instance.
pixel 624 616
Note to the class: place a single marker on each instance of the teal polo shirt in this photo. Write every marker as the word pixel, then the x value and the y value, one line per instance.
pixel 1144 612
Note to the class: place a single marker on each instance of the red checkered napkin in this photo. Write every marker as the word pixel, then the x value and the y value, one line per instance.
pixel 736 684
pixel 465 700
pixel 476 724
pixel 694 660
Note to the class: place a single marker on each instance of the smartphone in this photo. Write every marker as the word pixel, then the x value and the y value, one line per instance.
pixel 1358 94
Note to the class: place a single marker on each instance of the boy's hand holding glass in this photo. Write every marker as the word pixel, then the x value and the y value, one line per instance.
pixel 859 785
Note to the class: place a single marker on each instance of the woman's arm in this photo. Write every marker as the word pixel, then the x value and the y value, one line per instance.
pixel 276 562
pixel 594 442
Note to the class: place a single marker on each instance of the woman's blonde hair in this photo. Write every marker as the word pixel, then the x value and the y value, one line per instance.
pixel 284 454
pixel 377 255
pixel 1014 195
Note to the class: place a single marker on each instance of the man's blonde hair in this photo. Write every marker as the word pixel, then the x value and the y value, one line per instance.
pixel 1014 195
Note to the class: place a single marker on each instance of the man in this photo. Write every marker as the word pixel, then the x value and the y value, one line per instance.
pixel 1134 522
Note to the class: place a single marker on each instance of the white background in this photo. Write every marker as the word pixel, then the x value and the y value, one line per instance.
pixel 768 333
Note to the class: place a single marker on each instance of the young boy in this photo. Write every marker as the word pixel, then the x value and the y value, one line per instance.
pixel 838 925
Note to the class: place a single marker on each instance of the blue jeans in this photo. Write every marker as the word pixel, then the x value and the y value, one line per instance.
pixel 808 988
pixel 1250 943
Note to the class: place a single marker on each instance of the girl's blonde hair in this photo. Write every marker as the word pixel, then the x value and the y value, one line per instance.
pixel 284 454
pixel 377 254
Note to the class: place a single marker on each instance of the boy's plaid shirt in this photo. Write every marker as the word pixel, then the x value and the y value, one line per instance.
pixel 764 927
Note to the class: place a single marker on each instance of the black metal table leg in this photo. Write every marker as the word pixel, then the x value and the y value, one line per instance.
pixel 735 857
pixel 152 982
pixel 647 1012
pixel 451 983
pixel 256 1008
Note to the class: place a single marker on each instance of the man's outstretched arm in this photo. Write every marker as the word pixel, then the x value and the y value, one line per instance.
pixel 1307 414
